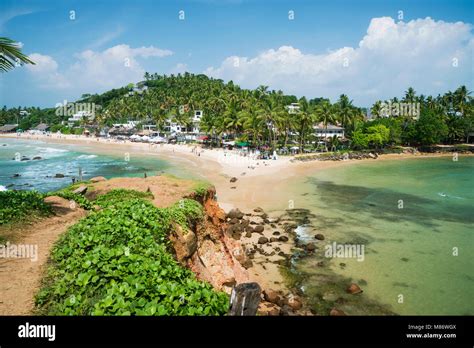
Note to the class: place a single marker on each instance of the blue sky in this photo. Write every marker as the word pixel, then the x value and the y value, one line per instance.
pixel 361 48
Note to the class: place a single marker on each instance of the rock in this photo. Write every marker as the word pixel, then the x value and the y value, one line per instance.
pixel 271 296
pixel 354 289
pixel 24 158
pixel 16 175
pixel 294 302
pixel 268 309
pixel 336 312
pixel 184 243
pixel 258 210
pixel 248 234
pixel 310 247
pixel 276 233
pixel 319 236
pixel 59 175
pixel 98 179
pixel 286 311
pixel 80 190
pixel 273 239
pixel 262 240
pixel 233 179
pixel 371 155
pixel 235 213
pixel 234 221
pixel 249 229
pixel 283 239
pixel 247 264
pixel 259 228
pixel 37 158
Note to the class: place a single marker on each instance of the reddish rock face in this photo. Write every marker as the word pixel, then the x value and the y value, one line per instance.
pixel 219 258
pixel 336 312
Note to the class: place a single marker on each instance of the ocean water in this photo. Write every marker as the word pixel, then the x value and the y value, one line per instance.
pixel 415 219
pixel 67 159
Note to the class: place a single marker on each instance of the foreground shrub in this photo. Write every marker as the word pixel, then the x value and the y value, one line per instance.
pixel 16 205
pixel 117 262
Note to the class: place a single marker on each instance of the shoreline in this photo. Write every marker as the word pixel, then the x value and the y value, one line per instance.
pixel 246 193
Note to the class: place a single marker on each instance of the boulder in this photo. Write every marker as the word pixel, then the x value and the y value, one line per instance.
pixel 273 239
pixel 258 210
pixel 184 243
pixel 283 239
pixel 234 221
pixel 354 289
pixel 259 228
pixel 336 312
pixel 98 179
pixel 59 175
pixel 233 179
pixel 235 213
pixel 271 296
pixel 310 247
pixel 16 175
pixel 276 233
pixel 319 236
pixel 262 240
pixel 80 190
pixel 37 158
pixel 294 302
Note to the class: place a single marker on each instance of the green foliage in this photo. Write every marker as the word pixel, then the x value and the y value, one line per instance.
pixel 378 135
pixel 82 201
pixel 186 212
pixel 201 188
pixel 116 262
pixel 359 140
pixel 430 128
pixel 120 195
pixel 16 205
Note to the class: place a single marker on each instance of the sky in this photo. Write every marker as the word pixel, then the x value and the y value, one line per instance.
pixel 367 49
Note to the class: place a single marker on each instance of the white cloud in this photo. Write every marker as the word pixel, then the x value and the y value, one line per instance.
pixel 94 71
pixel 390 58
pixel 179 68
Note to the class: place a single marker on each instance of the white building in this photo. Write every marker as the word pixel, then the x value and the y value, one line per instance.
pixel 78 116
pixel 172 126
pixel 293 108
pixel 329 131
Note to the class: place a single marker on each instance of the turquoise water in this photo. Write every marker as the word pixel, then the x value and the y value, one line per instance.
pixel 412 216
pixel 67 159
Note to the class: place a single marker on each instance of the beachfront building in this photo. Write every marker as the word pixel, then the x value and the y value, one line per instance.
pixel 329 131
pixel 173 127
pixel 293 108
pixel 8 128
pixel 79 116
pixel 42 127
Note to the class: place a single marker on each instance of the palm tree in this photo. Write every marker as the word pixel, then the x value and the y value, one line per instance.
pixel 325 115
pixel 11 55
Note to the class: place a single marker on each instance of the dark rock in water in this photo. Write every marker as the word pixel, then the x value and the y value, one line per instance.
pixel 80 190
pixel 10 185
pixel 234 179
pixel 354 289
pixel 259 228
pixel 25 158
pixel 319 236
pixel 235 213
pixel 4 144
pixel 336 312
pixel 283 239
pixel 262 240
pixel 16 175
pixel 58 175
pixel 310 247
pixel 37 158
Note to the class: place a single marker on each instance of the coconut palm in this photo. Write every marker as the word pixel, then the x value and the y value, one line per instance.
pixel 11 55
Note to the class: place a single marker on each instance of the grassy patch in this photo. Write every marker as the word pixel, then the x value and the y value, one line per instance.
pixel 18 205
pixel 120 195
